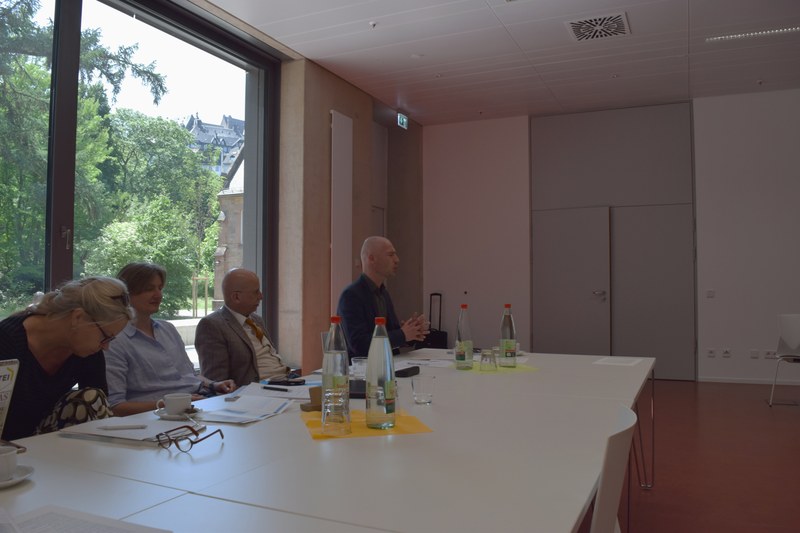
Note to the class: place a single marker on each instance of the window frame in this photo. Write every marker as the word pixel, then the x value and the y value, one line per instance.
pixel 186 21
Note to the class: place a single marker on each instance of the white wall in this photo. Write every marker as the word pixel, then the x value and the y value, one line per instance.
pixel 476 191
pixel 747 174
pixel 476 238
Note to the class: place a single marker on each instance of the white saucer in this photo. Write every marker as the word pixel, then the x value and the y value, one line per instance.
pixel 22 472
pixel 163 415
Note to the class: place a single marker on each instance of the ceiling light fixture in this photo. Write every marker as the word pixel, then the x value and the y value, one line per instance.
pixel 750 34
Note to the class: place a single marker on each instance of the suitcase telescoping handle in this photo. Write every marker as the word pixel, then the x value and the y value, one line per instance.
pixel 430 309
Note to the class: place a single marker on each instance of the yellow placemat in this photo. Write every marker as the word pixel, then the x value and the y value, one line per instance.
pixel 405 424
pixel 476 369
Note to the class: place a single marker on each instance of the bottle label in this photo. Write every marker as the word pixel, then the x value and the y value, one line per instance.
pixel 463 350
pixel 460 354
pixel 333 381
pixel 508 347
pixel 390 396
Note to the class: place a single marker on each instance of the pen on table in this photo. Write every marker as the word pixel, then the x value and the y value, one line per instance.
pixel 123 426
pixel 281 389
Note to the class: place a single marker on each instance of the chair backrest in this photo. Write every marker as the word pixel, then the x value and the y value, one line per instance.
pixel 789 342
pixel 615 462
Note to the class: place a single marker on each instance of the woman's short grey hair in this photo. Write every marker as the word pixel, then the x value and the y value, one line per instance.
pixel 104 299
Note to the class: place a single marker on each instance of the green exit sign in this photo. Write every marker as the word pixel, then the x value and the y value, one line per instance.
pixel 402 121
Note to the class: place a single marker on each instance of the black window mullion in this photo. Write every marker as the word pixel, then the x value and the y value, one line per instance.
pixel 59 232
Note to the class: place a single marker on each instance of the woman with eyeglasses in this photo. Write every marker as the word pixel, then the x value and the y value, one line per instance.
pixel 148 359
pixel 59 343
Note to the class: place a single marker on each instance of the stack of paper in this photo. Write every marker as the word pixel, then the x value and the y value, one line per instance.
pixel 247 404
pixel 54 519
pixel 124 430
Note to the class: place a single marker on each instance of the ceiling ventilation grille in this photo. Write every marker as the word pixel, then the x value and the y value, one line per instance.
pixel 594 28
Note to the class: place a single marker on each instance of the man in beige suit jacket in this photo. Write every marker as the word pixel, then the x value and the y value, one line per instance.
pixel 233 341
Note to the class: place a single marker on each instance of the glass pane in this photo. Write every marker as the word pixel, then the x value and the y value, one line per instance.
pixel 159 161
pixel 26 36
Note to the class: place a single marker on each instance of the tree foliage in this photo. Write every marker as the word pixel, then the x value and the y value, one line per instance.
pixel 153 231
pixel 164 200
pixel 141 193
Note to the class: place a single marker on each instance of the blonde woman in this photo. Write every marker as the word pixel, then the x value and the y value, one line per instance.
pixel 59 343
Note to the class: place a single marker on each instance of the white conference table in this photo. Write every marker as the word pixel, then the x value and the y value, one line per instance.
pixel 508 452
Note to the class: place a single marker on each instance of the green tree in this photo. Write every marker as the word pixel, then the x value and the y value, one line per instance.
pixel 93 206
pixel 207 249
pixel 141 192
pixel 152 158
pixel 25 57
pixel 23 165
pixel 154 231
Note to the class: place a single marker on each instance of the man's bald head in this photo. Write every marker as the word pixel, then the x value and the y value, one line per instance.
pixel 379 259
pixel 241 290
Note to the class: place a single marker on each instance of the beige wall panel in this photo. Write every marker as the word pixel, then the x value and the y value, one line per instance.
pixel 309 93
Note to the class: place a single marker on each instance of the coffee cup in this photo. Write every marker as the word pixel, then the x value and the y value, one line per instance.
pixel 176 403
pixel 8 462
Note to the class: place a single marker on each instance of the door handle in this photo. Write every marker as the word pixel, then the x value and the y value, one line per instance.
pixel 599 292
pixel 66 234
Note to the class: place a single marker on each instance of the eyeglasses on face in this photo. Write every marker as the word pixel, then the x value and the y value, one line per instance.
pixel 106 337
pixel 183 437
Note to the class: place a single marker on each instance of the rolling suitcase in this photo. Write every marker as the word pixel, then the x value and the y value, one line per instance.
pixel 436 338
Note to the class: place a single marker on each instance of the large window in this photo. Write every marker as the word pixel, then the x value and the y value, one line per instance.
pixel 160 156
pixel 24 121
pixel 159 148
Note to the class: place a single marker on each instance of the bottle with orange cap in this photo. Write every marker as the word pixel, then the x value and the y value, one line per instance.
pixel 381 384
pixel 463 347
pixel 335 382
pixel 508 339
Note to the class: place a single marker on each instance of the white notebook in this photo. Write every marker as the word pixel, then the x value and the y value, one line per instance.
pixel 8 376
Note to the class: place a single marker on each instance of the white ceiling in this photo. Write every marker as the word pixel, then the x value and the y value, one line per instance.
pixel 457 60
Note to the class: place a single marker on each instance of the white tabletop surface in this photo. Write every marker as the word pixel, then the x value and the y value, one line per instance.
pixel 55 481
pixel 195 514
pixel 507 452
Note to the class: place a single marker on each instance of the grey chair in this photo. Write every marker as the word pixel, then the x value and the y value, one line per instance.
pixel 615 462
pixel 788 347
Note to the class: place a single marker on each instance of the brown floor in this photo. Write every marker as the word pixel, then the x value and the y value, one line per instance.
pixel 725 461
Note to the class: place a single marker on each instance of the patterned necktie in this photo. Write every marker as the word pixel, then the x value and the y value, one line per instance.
pixel 255 328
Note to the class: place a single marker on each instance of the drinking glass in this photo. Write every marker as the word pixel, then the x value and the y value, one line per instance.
pixel 489 360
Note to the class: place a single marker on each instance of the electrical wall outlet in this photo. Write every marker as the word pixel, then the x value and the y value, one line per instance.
pixel 754 354
pixel 726 352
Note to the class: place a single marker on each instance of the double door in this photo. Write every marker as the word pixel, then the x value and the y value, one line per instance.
pixel 616 281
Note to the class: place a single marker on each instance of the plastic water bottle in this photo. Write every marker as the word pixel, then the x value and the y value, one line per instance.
pixel 381 385
pixel 335 382
pixel 508 339
pixel 463 348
